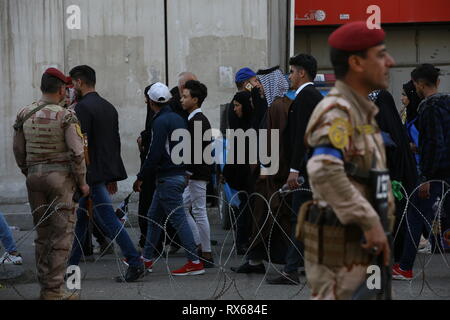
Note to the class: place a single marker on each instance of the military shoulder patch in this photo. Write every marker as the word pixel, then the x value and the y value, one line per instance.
pixel 340 132
pixel 78 128
pixel 367 129
pixel 70 117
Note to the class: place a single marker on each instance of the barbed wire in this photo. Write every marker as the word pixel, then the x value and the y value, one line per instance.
pixel 225 281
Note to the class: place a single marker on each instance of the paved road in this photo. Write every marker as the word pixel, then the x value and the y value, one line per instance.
pixel 219 283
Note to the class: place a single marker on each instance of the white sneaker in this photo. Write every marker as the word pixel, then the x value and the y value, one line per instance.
pixel 11 259
pixel 426 249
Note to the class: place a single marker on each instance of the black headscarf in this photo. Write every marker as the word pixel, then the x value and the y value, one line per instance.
pixel 414 101
pixel 237 175
pixel 400 160
pixel 244 123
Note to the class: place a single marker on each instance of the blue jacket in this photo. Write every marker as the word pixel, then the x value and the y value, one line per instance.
pixel 158 158
pixel 414 135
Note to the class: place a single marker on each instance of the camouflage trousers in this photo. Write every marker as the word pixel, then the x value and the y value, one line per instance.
pixel 50 196
pixel 334 283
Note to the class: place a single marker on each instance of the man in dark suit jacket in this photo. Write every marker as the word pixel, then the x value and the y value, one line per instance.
pixel 302 74
pixel 100 122
pixel 303 70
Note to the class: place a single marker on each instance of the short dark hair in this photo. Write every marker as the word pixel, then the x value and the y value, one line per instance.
pixel 146 92
pixel 50 84
pixel 84 73
pixel 427 73
pixel 306 62
pixel 198 90
pixel 240 85
pixel 158 104
pixel 339 60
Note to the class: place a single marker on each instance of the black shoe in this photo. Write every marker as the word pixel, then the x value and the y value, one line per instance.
pixel 248 268
pixel 208 263
pixel 133 274
pixel 285 278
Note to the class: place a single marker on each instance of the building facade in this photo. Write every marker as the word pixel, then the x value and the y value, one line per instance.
pixel 417 32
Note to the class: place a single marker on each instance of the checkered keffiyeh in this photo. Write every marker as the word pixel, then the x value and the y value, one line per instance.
pixel 275 85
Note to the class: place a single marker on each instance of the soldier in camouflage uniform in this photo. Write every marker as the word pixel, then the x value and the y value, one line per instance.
pixel 48 148
pixel 346 148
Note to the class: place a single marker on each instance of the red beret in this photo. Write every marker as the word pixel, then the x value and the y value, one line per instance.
pixel 58 74
pixel 356 36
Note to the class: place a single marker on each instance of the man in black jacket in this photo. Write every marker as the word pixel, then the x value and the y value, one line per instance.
pixel 303 70
pixel 434 151
pixel 99 121
pixel 194 197
pixel 302 74
pixel 167 203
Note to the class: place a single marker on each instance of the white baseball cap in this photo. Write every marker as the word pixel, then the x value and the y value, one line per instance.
pixel 159 93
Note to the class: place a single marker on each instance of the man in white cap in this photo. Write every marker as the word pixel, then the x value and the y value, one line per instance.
pixel 171 180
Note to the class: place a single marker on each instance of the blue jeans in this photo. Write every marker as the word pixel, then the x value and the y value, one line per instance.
pixel 168 203
pixel 6 236
pixel 105 216
pixel 295 251
pixel 417 223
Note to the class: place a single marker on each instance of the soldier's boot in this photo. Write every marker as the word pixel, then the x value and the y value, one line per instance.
pixel 59 295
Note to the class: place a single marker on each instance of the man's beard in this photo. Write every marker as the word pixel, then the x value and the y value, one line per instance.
pixel 78 94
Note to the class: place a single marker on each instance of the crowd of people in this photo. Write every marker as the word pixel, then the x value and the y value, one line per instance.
pixel 327 145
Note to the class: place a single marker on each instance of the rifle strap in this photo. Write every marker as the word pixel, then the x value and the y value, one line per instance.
pixel 19 125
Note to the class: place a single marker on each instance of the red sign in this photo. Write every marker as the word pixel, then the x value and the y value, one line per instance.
pixel 335 12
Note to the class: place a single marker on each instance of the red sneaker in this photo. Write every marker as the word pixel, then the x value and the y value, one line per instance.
pixel 190 269
pixel 148 266
pixel 399 274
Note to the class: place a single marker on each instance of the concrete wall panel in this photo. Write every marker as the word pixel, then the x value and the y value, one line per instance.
pixel 207 37
pixel 124 40
pixel 434 45
pixel 31 40
pixel 401 45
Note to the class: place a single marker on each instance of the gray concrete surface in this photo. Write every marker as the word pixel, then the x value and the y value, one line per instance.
pixel 125 42
pixel 218 283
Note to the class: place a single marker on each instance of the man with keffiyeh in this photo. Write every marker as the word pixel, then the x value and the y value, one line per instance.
pixel 270 234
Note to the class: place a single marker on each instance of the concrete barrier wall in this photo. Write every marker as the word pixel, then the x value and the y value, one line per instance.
pixel 214 39
pixel 124 40
pixel 31 39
